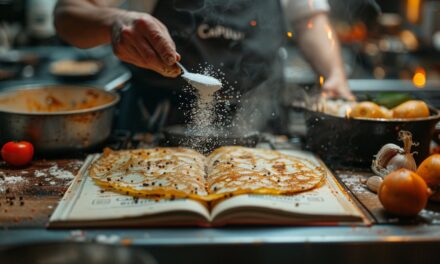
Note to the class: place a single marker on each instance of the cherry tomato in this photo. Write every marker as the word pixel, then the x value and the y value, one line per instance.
pixel 17 153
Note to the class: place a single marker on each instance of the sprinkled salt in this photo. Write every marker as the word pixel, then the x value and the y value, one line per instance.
pixel 12 179
pixel 60 173
pixel 6 181
pixel 55 172
pixel 39 173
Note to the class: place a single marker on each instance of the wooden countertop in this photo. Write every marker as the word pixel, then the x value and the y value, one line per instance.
pixel 29 195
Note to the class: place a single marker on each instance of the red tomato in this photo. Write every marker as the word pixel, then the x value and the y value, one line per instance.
pixel 18 153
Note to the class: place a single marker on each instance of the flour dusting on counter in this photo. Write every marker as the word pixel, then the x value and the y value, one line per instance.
pixel 7 181
pixel 55 172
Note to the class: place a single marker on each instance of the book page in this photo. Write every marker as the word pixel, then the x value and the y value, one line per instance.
pixel 329 199
pixel 84 200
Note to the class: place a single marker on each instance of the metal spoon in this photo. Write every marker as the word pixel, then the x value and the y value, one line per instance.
pixel 200 81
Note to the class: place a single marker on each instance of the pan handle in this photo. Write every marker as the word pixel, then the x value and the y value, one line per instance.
pixel 118 83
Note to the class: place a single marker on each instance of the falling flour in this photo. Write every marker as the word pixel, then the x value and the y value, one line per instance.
pixel 203 114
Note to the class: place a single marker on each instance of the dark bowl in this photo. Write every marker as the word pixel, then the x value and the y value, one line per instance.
pixel 348 142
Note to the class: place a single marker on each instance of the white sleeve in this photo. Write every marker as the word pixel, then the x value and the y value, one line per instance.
pixel 299 9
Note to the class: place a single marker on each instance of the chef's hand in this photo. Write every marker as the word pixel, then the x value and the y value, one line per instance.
pixel 317 41
pixel 142 40
pixel 336 86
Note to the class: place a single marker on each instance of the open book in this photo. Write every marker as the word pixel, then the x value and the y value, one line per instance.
pixel 87 204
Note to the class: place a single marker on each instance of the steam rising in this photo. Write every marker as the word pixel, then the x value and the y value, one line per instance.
pixel 257 108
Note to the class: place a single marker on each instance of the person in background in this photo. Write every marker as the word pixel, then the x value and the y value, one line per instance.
pixel 241 38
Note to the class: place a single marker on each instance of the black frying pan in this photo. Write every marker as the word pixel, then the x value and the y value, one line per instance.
pixel 354 142
pixel 206 142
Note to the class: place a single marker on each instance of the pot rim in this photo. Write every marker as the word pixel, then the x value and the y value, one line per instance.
pixel 432 117
pixel 116 98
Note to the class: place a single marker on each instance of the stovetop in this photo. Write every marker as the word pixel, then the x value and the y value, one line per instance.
pixel 39 73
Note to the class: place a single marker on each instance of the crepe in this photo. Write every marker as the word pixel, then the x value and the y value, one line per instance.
pixel 170 172
pixel 185 173
pixel 246 170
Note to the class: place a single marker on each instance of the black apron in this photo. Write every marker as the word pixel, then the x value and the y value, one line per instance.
pixel 241 38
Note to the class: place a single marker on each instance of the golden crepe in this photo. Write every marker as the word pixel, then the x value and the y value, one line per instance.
pixel 143 172
pixel 247 170
pixel 180 172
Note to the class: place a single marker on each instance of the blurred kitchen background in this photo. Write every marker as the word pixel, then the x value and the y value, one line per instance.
pixel 388 46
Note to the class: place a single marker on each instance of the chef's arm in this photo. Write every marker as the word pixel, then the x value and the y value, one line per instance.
pixel 320 45
pixel 136 38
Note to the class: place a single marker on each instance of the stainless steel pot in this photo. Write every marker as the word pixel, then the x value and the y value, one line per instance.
pixel 57 118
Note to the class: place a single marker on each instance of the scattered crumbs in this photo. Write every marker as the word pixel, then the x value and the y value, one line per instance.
pixel 8 181
pixel 355 185
pixel 60 173
pixel 54 172
pixel 39 173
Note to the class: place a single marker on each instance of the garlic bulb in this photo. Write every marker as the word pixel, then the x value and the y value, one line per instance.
pixel 392 157
pixel 373 183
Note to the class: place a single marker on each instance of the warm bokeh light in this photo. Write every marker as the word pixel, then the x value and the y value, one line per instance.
pixel 419 78
pixel 330 35
pixel 379 73
pixel 348 112
pixel 409 39
pixel 289 34
pixel 253 23
pixel 413 10
pixel 321 80
pixel 310 24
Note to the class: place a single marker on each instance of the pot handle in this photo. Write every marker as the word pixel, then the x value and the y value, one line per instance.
pixel 118 83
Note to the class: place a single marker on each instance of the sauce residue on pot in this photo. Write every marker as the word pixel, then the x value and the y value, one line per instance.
pixel 50 100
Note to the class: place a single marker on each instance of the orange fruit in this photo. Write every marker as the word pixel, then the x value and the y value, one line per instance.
pixel 403 193
pixel 429 170
pixel 367 110
pixel 411 109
